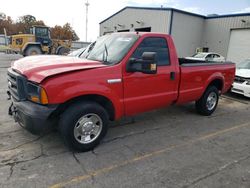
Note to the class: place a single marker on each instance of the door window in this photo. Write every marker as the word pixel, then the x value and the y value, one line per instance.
pixel 209 57
pixel 216 56
pixel 157 45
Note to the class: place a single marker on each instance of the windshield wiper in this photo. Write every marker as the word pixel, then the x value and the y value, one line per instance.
pixel 88 50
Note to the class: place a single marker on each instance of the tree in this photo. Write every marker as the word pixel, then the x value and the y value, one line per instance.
pixel 27 19
pixel 23 24
pixel 75 36
pixel 64 33
pixel 7 23
pixel 2 16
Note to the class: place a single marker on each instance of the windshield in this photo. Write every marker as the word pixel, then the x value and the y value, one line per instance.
pixel 42 32
pixel 244 65
pixel 110 49
pixel 199 55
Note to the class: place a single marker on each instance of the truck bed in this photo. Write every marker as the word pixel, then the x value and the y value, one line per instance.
pixel 195 77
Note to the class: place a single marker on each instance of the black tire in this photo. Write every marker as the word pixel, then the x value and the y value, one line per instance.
pixel 63 51
pixel 70 119
pixel 33 50
pixel 203 106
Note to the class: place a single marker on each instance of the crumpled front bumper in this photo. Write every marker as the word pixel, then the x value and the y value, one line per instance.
pixel 33 117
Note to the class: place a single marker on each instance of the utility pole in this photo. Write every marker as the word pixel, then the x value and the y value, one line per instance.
pixel 5 36
pixel 87 7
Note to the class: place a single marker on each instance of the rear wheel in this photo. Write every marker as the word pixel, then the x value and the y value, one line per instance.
pixel 33 50
pixel 207 104
pixel 83 125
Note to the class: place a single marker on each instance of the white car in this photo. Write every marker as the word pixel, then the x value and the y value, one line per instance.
pixel 207 56
pixel 241 83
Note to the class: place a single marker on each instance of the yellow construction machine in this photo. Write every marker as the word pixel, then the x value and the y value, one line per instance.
pixel 38 41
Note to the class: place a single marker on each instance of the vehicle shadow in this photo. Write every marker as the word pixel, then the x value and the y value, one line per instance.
pixel 238 97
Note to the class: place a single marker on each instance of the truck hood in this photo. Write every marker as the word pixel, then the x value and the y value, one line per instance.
pixel 245 73
pixel 37 68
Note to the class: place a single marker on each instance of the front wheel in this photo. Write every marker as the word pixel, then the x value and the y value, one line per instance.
pixel 83 125
pixel 207 104
pixel 33 50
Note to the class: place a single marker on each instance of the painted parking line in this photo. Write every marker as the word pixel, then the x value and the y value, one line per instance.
pixel 97 172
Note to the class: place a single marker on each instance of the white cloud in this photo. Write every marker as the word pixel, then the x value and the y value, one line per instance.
pixel 60 12
pixel 245 10
pixel 154 3
pixel 193 10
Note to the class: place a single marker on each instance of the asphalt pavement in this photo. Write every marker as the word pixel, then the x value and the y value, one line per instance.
pixel 170 147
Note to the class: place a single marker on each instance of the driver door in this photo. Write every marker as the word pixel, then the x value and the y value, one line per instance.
pixel 145 92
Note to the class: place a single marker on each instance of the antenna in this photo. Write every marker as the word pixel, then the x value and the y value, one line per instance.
pixel 87 7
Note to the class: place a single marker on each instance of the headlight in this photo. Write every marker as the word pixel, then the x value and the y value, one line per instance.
pixel 37 94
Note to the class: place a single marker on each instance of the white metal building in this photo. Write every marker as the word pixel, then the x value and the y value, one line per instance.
pixel 228 35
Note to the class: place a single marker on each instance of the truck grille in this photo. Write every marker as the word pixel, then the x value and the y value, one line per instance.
pixel 239 79
pixel 16 85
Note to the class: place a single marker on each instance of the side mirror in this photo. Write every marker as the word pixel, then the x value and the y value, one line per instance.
pixel 146 65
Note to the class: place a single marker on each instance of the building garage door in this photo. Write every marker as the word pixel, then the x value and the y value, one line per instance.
pixel 239 45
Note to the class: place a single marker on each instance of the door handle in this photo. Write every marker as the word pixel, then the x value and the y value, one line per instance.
pixel 172 75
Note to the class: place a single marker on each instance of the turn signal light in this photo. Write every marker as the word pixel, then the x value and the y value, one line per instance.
pixel 43 97
pixel 35 99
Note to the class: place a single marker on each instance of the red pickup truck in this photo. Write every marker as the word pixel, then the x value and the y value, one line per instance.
pixel 121 74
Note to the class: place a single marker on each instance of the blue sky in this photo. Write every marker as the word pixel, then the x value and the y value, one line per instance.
pixel 200 6
pixel 74 11
pixel 217 6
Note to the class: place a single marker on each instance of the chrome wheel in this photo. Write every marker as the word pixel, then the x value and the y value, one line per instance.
pixel 211 101
pixel 88 128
